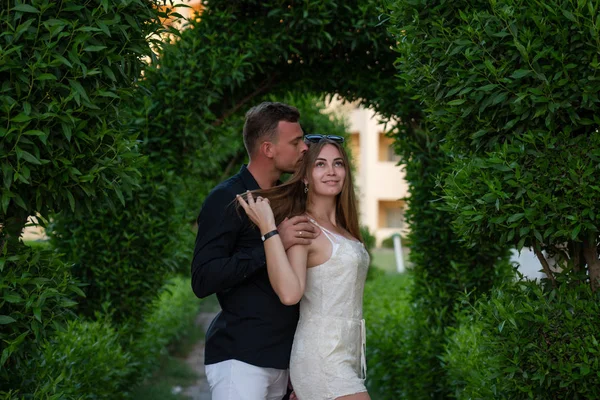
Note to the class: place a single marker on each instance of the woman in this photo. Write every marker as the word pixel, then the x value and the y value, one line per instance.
pixel 327 360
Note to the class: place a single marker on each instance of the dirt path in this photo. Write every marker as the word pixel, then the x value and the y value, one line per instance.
pixel 200 390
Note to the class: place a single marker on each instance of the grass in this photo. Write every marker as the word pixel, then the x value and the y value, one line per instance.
pixel 193 333
pixel 174 371
pixel 386 260
pixel 38 244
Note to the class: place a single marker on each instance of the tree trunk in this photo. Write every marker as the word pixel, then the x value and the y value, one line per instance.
pixel 12 227
pixel 590 252
pixel 544 262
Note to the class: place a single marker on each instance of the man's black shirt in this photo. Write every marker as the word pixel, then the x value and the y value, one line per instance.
pixel 229 259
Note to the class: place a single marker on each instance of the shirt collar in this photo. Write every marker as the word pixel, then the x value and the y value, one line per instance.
pixel 249 181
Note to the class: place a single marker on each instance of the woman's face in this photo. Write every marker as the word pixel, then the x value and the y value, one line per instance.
pixel 328 172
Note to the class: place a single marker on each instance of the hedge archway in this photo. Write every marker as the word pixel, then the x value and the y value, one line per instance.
pixel 237 54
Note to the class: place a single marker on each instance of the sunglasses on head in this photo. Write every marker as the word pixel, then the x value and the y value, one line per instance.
pixel 316 138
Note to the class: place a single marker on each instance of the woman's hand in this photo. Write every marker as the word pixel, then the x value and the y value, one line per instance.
pixel 258 211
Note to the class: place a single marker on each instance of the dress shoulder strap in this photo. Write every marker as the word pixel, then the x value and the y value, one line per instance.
pixel 330 235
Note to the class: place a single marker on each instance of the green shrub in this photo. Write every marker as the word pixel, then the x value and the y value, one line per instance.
pixel 368 239
pixel 85 361
pixel 65 68
pixel 513 86
pixel 388 242
pixel 37 297
pixel 529 343
pixel 112 249
pixel 171 314
pixel 114 40
pixel 386 311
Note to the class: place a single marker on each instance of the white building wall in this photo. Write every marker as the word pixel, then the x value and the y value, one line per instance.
pixel 377 180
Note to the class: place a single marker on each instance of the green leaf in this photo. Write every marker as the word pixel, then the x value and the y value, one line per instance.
pixel 106 93
pixel 5 200
pixel 26 8
pixel 63 60
pixel 77 290
pixel 30 158
pixel 489 87
pixel 94 48
pixel 569 15
pixel 119 194
pixel 575 232
pixel 34 132
pixel 21 118
pixel 37 313
pixel 45 77
pixel 66 130
pixel 79 89
pixel 12 297
pixel 520 73
pixel 71 200
pixel 108 72
pixel 456 102
pixel 5 319
pixel 515 217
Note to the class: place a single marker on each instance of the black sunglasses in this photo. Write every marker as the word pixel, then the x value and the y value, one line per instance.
pixel 316 138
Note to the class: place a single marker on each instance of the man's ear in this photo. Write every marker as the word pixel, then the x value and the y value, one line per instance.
pixel 266 148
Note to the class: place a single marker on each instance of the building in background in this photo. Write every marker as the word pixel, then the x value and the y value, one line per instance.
pixel 193 6
pixel 381 187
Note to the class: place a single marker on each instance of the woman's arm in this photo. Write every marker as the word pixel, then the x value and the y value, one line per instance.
pixel 287 272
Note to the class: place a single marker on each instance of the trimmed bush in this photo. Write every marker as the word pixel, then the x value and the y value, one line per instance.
pixel 37 297
pixel 171 313
pixel 386 311
pixel 65 68
pixel 513 86
pixel 85 361
pixel 525 342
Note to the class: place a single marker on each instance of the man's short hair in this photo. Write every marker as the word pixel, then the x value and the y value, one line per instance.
pixel 262 120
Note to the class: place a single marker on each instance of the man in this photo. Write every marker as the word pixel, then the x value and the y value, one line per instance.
pixel 248 344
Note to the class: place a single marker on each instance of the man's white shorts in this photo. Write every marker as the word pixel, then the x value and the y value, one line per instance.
pixel 236 380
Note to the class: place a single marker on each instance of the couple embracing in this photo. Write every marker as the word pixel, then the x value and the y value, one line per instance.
pixel 288 265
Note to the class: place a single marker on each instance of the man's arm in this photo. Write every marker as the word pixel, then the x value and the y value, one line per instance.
pixel 215 266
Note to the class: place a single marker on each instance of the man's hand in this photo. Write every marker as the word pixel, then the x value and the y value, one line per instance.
pixel 297 230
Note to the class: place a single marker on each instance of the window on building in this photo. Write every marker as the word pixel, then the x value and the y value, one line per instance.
pixel 392 156
pixel 386 149
pixel 394 217
pixel 391 214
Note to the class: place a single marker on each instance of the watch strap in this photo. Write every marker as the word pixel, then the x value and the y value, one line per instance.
pixel 269 234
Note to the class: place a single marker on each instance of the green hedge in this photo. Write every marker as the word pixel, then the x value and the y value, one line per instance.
pixel 37 297
pixel 386 311
pixel 513 86
pixel 525 342
pixel 86 361
pixel 66 67
pixel 171 314
pixel 94 360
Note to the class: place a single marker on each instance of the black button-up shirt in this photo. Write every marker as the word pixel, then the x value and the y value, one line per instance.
pixel 229 259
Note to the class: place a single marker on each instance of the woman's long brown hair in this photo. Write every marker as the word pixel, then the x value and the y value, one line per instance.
pixel 289 199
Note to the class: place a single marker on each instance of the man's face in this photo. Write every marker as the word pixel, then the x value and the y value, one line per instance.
pixel 289 146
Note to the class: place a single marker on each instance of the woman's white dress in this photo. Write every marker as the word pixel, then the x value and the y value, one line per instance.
pixel 328 353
